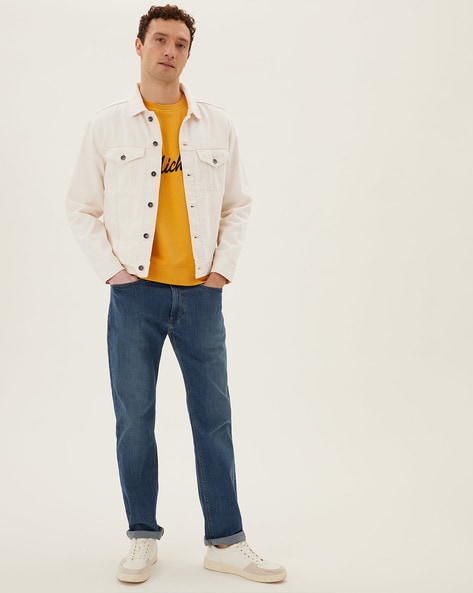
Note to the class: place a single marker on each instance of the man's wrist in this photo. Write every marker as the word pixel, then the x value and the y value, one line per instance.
pixel 216 280
pixel 121 277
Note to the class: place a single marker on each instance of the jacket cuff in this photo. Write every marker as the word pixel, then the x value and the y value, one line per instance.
pixel 224 267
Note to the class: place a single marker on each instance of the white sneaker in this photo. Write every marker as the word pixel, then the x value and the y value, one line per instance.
pixel 241 560
pixel 136 567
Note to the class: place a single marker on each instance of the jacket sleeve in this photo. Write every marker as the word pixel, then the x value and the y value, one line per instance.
pixel 84 206
pixel 236 207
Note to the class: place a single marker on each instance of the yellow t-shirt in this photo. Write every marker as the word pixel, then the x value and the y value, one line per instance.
pixel 172 260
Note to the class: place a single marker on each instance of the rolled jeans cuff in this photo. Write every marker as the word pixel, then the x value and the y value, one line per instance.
pixel 226 541
pixel 145 534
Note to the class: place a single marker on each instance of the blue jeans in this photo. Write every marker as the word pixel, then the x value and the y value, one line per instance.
pixel 141 315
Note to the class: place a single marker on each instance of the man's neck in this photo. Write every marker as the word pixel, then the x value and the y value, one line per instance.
pixel 162 93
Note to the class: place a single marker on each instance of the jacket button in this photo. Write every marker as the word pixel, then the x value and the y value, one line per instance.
pixel 150 204
pixel 214 161
pixel 150 118
pixel 123 157
pixel 146 236
pixel 155 143
pixel 140 268
pixel 153 173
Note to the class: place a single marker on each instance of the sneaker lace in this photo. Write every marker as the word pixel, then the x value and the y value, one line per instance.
pixel 139 549
pixel 249 553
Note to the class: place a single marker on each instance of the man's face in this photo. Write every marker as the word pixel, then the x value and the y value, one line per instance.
pixel 165 50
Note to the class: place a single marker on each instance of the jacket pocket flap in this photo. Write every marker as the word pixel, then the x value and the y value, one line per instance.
pixel 214 158
pixel 124 154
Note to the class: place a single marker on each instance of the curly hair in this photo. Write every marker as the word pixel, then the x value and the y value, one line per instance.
pixel 168 12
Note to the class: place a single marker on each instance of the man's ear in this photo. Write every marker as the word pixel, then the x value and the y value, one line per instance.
pixel 138 46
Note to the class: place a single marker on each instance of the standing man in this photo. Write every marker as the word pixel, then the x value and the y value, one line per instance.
pixel 159 204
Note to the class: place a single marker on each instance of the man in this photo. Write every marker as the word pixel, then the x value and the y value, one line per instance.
pixel 159 204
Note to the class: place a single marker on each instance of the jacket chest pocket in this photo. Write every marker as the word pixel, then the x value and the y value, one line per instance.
pixel 123 168
pixel 211 165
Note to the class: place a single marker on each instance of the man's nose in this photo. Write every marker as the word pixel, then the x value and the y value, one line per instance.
pixel 170 52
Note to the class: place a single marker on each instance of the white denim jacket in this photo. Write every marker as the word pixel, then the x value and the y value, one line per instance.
pixel 112 201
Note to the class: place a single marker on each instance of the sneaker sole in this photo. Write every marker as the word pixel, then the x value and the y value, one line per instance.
pixel 259 578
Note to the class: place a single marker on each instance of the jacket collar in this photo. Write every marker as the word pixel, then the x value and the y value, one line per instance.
pixel 137 106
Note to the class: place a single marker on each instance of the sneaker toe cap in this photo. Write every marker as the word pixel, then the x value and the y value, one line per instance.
pixel 266 568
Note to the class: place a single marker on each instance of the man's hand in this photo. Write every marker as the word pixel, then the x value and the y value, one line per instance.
pixel 122 277
pixel 215 280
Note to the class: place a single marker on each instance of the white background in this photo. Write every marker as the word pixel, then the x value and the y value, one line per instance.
pixel 349 321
